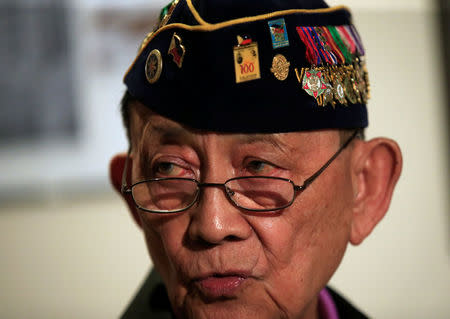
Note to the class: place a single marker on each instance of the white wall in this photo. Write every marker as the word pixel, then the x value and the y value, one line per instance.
pixel 83 257
pixel 402 270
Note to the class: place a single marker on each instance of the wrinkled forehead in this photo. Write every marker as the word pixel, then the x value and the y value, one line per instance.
pixel 149 127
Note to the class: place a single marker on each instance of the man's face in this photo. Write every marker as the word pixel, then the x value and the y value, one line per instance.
pixel 219 261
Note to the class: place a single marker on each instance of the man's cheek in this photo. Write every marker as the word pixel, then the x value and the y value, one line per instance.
pixel 276 239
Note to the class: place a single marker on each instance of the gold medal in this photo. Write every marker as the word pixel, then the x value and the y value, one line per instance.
pixel 328 95
pixel 348 89
pixel 358 82
pixel 280 67
pixel 366 78
pixel 246 62
pixel 364 86
pixel 338 87
pixel 153 66
pixel 177 50
pixel 333 84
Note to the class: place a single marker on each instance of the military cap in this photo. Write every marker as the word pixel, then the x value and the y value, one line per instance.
pixel 250 66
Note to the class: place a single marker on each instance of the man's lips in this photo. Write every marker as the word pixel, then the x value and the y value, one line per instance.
pixel 220 285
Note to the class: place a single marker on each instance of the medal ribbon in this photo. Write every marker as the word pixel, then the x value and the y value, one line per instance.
pixel 312 53
pixel 358 41
pixel 344 39
pixel 325 45
pixel 319 46
pixel 347 39
pixel 337 39
pixel 333 45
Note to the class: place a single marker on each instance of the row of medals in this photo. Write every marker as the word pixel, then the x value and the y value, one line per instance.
pixel 329 85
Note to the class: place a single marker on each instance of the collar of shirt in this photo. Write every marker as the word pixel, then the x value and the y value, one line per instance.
pixel 327 307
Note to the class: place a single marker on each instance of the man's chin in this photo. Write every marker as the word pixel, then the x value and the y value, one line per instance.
pixel 226 308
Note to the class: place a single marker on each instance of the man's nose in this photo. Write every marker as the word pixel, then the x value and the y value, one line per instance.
pixel 216 220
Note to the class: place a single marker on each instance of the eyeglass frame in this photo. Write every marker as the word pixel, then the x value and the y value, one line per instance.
pixel 128 190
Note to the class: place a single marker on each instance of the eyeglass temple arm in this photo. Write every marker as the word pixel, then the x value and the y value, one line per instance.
pixel 324 167
pixel 124 188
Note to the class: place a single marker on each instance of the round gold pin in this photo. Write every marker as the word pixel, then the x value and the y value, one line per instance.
pixel 153 66
pixel 280 67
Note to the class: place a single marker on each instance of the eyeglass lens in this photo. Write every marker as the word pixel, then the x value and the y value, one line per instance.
pixel 178 194
pixel 165 195
pixel 260 193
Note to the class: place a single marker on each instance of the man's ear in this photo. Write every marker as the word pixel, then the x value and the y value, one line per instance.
pixel 116 167
pixel 376 166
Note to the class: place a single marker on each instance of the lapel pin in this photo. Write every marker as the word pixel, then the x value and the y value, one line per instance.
pixel 153 66
pixel 280 67
pixel 278 33
pixel 177 50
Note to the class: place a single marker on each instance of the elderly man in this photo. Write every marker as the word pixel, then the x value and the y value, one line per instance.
pixel 247 169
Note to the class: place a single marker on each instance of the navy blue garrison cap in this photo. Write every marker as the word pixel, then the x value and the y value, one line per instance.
pixel 251 66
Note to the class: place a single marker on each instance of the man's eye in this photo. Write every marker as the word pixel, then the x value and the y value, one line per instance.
pixel 167 169
pixel 260 167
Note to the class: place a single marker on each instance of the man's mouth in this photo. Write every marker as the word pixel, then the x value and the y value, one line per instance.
pixel 218 286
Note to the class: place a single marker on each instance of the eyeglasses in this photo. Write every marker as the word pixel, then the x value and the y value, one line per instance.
pixel 251 193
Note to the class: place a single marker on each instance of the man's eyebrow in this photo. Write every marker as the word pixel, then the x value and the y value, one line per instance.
pixel 272 139
pixel 166 133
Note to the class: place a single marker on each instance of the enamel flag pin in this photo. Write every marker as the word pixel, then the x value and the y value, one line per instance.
pixel 177 50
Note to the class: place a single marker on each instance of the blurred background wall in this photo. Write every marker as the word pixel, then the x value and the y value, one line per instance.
pixel 68 247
